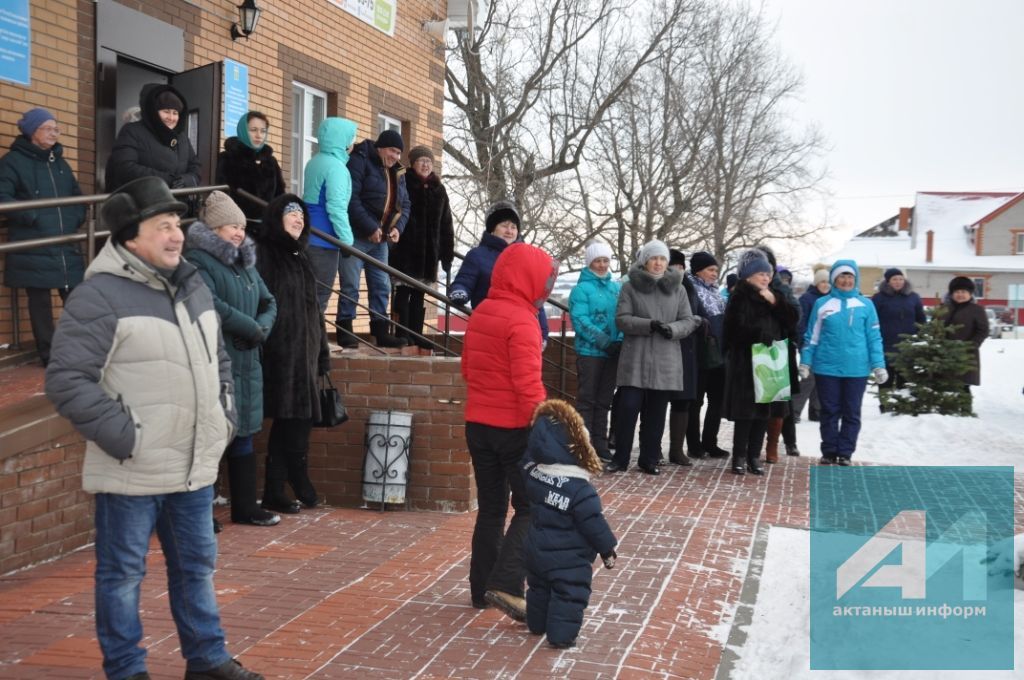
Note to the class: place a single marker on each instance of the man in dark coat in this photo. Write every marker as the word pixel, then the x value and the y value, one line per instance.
pixel 34 169
pixel 819 288
pixel 899 311
pixel 157 145
pixel 429 237
pixel 567 527
pixel 378 212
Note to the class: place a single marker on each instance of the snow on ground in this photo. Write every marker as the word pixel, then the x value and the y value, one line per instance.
pixel 993 438
pixel 778 639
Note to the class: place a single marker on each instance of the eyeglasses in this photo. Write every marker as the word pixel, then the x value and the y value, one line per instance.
pixel 49 128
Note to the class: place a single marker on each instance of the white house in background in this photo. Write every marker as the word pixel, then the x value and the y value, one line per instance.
pixel 979 235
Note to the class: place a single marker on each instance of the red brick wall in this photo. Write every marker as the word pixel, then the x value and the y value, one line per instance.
pixel 43 510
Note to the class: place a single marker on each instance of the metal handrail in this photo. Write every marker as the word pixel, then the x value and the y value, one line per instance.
pixel 91 234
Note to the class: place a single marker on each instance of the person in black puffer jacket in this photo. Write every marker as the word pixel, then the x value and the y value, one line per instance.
pixel 567 527
pixel 157 145
pixel 248 162
pixel 899 311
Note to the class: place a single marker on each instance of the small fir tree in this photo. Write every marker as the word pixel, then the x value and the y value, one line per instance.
pixel 931 365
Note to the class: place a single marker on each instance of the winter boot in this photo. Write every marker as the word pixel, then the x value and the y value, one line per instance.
pixel 416 317
pixel 344 339
pixel 298 477
pixel 676 435
pixel 244 509
pixel 274 497
pixel 379 330
pixel 771 445
pixel 738 465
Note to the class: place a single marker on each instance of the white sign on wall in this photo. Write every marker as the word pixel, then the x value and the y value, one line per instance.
pixel 381 14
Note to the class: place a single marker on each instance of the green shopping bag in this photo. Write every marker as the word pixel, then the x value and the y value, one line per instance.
pixel 771 372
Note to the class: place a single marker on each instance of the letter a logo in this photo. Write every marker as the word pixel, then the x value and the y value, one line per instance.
pixel 910 576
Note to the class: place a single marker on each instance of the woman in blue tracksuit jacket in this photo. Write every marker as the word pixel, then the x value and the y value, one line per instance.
pixel 327 188
pixel 842 346
pixel 598 340
pixel 567 528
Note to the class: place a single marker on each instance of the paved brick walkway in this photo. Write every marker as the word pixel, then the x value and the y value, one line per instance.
pixel 342 593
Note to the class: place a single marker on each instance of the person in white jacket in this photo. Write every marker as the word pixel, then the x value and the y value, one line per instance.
pixel 139 368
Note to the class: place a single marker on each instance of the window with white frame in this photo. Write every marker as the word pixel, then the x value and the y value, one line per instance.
pixel 979 286
pixel 386 122
pixel 309 107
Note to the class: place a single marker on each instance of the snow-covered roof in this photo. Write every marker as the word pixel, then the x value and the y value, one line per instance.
pixel 950 215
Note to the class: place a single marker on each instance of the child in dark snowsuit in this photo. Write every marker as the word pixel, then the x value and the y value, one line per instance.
pixel 567 528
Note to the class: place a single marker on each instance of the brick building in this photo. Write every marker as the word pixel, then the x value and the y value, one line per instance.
pixel 306 59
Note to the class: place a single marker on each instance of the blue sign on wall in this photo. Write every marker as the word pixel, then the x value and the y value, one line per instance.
pixel 236 95
pixel 15 41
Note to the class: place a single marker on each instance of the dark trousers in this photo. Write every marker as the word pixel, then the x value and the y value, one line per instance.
pixel 40 315
pixel 497 562
pixel 595 377
pixel 747 439
pixel 650 407
pixel 710 382
pixel 555 606
pixel 840 413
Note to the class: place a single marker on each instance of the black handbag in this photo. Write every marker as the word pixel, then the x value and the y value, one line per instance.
pixel 710 353
pixel 332 410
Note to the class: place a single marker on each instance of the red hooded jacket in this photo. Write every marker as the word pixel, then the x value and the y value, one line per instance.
pixel 501 355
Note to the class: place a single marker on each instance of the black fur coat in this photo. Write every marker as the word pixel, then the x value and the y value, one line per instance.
pixel 749 319
pixel 258 172
pixel 428 236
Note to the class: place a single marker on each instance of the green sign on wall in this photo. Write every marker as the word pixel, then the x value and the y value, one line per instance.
pixel 380 14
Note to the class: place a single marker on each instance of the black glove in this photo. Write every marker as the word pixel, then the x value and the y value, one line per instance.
pixel 665 330
pixel 602 341
pixel 177 182
pixel 654 325
pixel 242 344
pixel 613 349
pixel 705 325
pixel 609 558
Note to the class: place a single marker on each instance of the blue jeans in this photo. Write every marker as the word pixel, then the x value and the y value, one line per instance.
pixel 184 525
pixel 325 267
pixel 840 413
pixel 378 284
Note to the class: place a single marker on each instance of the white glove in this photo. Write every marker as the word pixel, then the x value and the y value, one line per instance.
pixel 804 371
pixel 881 375
pixel 460 297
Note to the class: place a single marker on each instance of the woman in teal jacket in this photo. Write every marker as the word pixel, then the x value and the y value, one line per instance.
pixel 842 346
pixel 327 188
pixel 592 309
pixel 226 259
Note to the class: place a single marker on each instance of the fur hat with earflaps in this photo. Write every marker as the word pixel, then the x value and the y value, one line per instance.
pixel 579 439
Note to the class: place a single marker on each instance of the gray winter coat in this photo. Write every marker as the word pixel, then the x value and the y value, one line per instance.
pixel 648 360
pixel 139 368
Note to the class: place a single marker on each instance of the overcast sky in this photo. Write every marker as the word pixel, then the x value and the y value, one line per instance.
pixel 911 95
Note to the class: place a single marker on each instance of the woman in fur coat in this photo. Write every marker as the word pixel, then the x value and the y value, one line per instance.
pixel 248 162
pixel 295 353
pixel 755 314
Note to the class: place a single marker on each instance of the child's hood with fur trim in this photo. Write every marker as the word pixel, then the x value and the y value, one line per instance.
pixel 559 437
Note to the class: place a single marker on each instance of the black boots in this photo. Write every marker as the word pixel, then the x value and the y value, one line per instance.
pixel 298 478
pixel 344 339
pixel 244 509
pixel 677 421
pixel 379 330
pixel 274 497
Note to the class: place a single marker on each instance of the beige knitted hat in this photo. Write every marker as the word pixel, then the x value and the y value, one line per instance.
pixel 219 210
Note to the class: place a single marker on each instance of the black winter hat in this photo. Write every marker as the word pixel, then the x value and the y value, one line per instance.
pixel 139 200
pixel 169 100
pixel 891 272
pixel 961 283
pixel 676 257
pixel 702 260
pixel 389 139
pixel 499 212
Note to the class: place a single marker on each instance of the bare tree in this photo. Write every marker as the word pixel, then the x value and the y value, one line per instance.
pixel 698 152
pixel 526 94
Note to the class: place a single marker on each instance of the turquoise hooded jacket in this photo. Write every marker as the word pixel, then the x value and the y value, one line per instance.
pixel 843 339
pixel 327 185
pixel 592 308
